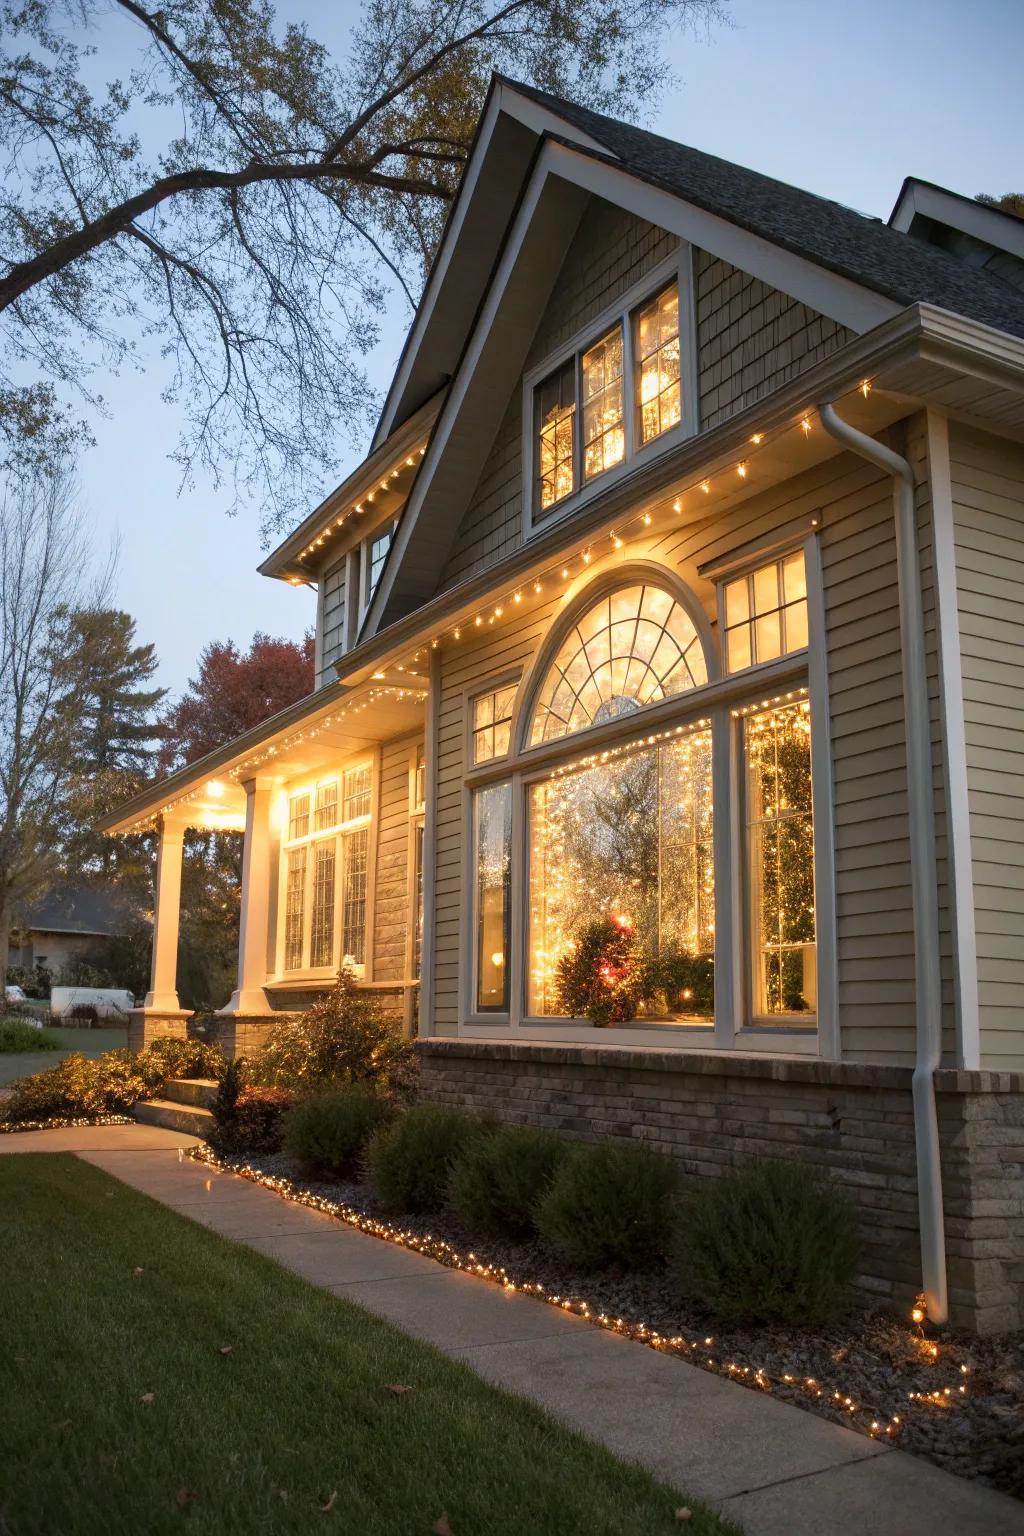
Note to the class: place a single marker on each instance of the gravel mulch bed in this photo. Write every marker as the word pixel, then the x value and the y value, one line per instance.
pixel 952 1397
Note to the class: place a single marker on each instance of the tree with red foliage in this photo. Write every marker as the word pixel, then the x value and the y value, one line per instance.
pixel 234 691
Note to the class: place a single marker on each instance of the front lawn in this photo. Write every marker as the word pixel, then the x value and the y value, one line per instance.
pixel 32 1057
pixel 158 1378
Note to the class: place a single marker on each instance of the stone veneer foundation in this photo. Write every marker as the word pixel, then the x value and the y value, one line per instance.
pixel 710 1111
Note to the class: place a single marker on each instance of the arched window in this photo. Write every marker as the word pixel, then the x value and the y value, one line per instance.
pixel 632 647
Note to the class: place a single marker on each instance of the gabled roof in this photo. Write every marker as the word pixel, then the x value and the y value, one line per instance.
pixel 83 909
pixel 838 238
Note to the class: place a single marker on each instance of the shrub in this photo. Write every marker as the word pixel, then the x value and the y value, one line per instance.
pixel 601 976
pixel 772 1242
pixel 346 1037
pixel 247 1118
pixel 19 1035
pixel 497 1182
pixel 410 1161
pixel 170 1057
pixel 81 1088
pixel 328 1132
pixel 610 1205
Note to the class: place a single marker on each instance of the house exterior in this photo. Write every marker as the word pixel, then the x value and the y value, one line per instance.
pixel 62 925
pixel 682 586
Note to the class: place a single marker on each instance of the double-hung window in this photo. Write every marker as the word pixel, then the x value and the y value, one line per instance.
pixel 325 873
pixel 617 393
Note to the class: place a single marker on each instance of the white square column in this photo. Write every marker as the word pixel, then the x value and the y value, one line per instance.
pixel 162 996
pixel 249 997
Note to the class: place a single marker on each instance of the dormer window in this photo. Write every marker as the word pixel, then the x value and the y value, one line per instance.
pixel 620 390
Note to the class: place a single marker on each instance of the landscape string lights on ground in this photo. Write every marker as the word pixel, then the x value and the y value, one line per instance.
pixel 699 1351
pixel 62 1123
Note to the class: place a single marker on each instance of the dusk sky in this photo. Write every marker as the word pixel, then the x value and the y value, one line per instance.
pixel 842 99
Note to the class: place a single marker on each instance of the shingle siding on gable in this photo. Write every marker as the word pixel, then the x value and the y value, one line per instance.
pixel 333 579
pixel 751 338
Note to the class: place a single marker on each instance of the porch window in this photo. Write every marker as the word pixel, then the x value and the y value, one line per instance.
pixel 556 456
pixel 295 909
pixel 325 813
pixel 417 915
pixel 356 793
pixel 492 724
pixel 355 848
pixel 780 859
pixel 630 648
pixel 604 433
pixel 766 613
pixel 492 859
pixel 657 364
pixel 630 838
pixel 298 816
pixel 325 873
pixel 321 946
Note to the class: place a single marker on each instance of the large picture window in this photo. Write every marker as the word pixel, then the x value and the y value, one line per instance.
pixel 630 838
pixel 492 860
pixel 325 873
pixel 630 648
pixel 780 859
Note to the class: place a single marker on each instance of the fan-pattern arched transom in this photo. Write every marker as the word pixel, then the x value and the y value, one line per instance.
pixel 632 647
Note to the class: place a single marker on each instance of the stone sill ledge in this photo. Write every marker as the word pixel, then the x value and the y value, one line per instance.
pixel 791 1069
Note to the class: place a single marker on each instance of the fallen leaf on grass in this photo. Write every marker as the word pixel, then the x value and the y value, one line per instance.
pixel 137 1271
pixel 397 1388
pixel 184 1497
pixel 684 1514
pixel 225 1349
pixel 441 1527
pixel 148 1397
pixel 326 1508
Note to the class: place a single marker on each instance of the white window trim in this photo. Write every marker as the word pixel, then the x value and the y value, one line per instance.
pixel 511 677
pixel 417 820
pixel 289 845
pixel 772 552
pixel 678 266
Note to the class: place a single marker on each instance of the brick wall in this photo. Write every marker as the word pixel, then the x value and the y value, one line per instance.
pixel 853 1122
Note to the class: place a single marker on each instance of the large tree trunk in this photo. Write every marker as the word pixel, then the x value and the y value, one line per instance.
pixel 5 946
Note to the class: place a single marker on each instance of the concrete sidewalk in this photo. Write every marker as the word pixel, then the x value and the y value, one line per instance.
pixel 775 1469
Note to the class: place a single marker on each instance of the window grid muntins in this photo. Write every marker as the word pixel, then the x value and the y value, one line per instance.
pixel 492 839
pixel 298 816
pixel 379 546
pixel 321 943
pixel 295 909
pixel 492 724
pixel 556 418
pixel 604 436
pixel 766 613
pixel 355 846
pixel 325 812
pixel 356 793
pixel 657 364
pixel 629 649
pixel 780 859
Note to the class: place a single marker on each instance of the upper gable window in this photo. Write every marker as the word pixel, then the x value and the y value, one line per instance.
pixel 620 390
pixel 766 613
pixel 632 647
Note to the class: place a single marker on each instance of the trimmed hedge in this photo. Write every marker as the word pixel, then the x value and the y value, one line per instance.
pixel 610 1204
pixel 409 1162
pixel 328 1132
pixel 497 1182
pixel 772 1242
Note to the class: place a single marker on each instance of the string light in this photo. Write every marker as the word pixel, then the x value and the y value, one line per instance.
pixel 868 1419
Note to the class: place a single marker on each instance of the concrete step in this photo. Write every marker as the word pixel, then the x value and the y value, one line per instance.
pixel 192 1119
pixel 191 1090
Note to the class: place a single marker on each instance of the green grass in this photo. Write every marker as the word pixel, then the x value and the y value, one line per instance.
pixel 18 1035
pixel 263 1436
pixel 31 1058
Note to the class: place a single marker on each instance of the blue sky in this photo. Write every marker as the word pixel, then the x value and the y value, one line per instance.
pixel 843 99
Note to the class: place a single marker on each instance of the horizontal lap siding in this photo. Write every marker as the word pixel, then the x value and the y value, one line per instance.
pixel 391 896
pixel 875 928
pixel 988 519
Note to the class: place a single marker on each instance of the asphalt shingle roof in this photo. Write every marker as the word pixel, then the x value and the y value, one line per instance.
pixel 852 244
pixel 78 909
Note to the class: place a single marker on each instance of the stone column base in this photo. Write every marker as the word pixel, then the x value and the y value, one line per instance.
pixel 241 1034
pixel 148 1024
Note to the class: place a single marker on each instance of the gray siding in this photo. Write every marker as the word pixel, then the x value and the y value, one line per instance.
pixel 988 519
pixel 333 578
pixel 875 928
pixel 391 896
pixel 751 339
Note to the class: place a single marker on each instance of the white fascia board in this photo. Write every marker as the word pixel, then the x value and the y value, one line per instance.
pixel 992 226
pixel 857 308
pixel 539 120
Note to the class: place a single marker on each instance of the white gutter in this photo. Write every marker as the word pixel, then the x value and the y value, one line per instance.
pixel 927 966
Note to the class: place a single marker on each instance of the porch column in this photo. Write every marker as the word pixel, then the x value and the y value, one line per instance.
pixel 162 1014
pixel 254 928
pixel 162 996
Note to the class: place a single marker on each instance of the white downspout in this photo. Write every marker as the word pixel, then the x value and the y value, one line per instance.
pixel 927 966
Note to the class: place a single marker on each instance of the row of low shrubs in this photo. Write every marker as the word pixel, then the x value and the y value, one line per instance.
pixel 81 1087
pixel 770 1242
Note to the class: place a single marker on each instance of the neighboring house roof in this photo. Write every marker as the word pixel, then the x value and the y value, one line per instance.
pixel 77 909
pixel 853 244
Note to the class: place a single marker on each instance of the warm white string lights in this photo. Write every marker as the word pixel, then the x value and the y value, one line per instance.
pixel 357 508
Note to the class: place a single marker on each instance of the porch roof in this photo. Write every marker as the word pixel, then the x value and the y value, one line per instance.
pixel 305 738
